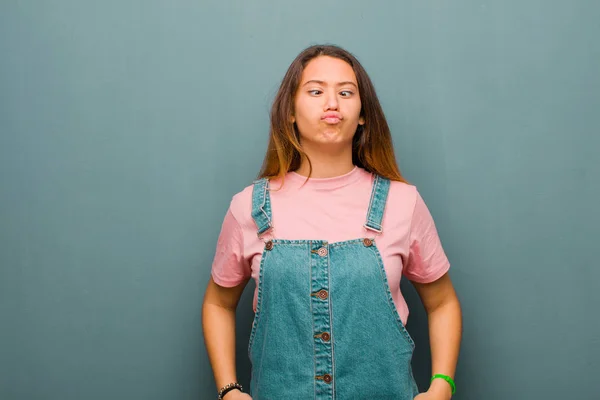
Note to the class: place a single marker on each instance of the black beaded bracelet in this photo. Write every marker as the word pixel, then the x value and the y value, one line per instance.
pixel 226 389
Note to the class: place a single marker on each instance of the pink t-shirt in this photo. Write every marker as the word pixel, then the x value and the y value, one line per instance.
pixel 333 209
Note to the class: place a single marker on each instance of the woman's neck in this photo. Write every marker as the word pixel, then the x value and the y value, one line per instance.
pixel 326 165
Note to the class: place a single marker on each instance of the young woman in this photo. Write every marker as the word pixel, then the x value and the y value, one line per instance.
pixel 327 231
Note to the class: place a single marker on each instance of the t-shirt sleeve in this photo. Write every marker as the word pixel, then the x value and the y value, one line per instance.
pixel 427 260
pixel 229 267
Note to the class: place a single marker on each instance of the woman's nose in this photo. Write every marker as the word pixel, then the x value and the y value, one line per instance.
pixel 331 101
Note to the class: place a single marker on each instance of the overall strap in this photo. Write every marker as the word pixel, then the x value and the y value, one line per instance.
pixel 379 194
pixel 261 205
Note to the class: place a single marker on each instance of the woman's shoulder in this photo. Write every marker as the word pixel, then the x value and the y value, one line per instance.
pixel 402 192
pixel 403 201
pixel 241 204
pixel 242 200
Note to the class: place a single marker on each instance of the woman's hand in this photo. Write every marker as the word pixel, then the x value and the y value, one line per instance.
pixel 439 390
pixel 430 396
pixel 237 395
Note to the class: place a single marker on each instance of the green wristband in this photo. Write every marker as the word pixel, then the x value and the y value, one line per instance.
pixel 447 379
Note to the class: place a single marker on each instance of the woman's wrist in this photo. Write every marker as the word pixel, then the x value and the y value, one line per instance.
pixel 230 387
pixel 441 389
pixel 231 394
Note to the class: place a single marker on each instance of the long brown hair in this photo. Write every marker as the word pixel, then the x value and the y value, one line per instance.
pixel 372 147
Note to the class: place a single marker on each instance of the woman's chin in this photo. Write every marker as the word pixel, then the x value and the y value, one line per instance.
pixel 328 137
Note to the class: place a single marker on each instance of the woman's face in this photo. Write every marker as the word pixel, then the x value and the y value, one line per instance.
pixel 327 104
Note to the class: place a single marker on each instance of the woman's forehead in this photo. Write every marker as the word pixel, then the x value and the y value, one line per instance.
pixel 328 70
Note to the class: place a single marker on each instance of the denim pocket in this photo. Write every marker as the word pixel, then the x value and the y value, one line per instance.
pixel 390 300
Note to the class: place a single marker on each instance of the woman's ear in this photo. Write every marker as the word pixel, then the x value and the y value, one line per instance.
pixel 361 120
pixel 292 119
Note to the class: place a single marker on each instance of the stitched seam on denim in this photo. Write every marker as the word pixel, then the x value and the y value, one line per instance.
pixel 374 217
pixel 315 277
pixel 304 242
pixel 385 200
pixel 259 301
pixel 314 263
pixel 374 201
pixel 373 190
pixel 254 209
pixel 258 213
pixel 332 388
pixel 264 202
pixel 379 200
pixel 288 242
pixel 312 320
pixel 347 243
pixel 312 316
pixel 383 203
pixel 257 202
pixel 257 369
pixel 378 208
pixel 264 228
pixel 390 299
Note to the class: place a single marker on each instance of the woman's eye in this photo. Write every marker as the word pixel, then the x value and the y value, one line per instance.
pixel 343 93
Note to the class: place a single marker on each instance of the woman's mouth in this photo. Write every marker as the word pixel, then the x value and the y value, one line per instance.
pixel 332 120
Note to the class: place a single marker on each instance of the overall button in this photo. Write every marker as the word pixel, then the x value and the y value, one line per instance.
pixel 269 245
pixel 323 294
pixel 327 378
pixel 368 242
pixel 322 251
pixel 325 336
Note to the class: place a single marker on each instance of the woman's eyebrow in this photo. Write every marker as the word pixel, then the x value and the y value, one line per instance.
pixel 323 83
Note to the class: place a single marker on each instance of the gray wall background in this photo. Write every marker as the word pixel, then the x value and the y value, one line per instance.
pixel 126 126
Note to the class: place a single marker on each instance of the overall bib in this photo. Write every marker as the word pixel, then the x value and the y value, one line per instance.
pixel 325 325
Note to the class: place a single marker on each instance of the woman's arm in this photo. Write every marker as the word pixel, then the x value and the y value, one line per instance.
pixel 445 331
pixel 218 325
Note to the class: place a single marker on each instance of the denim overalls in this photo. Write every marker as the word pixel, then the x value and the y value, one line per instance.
pixel 325 325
